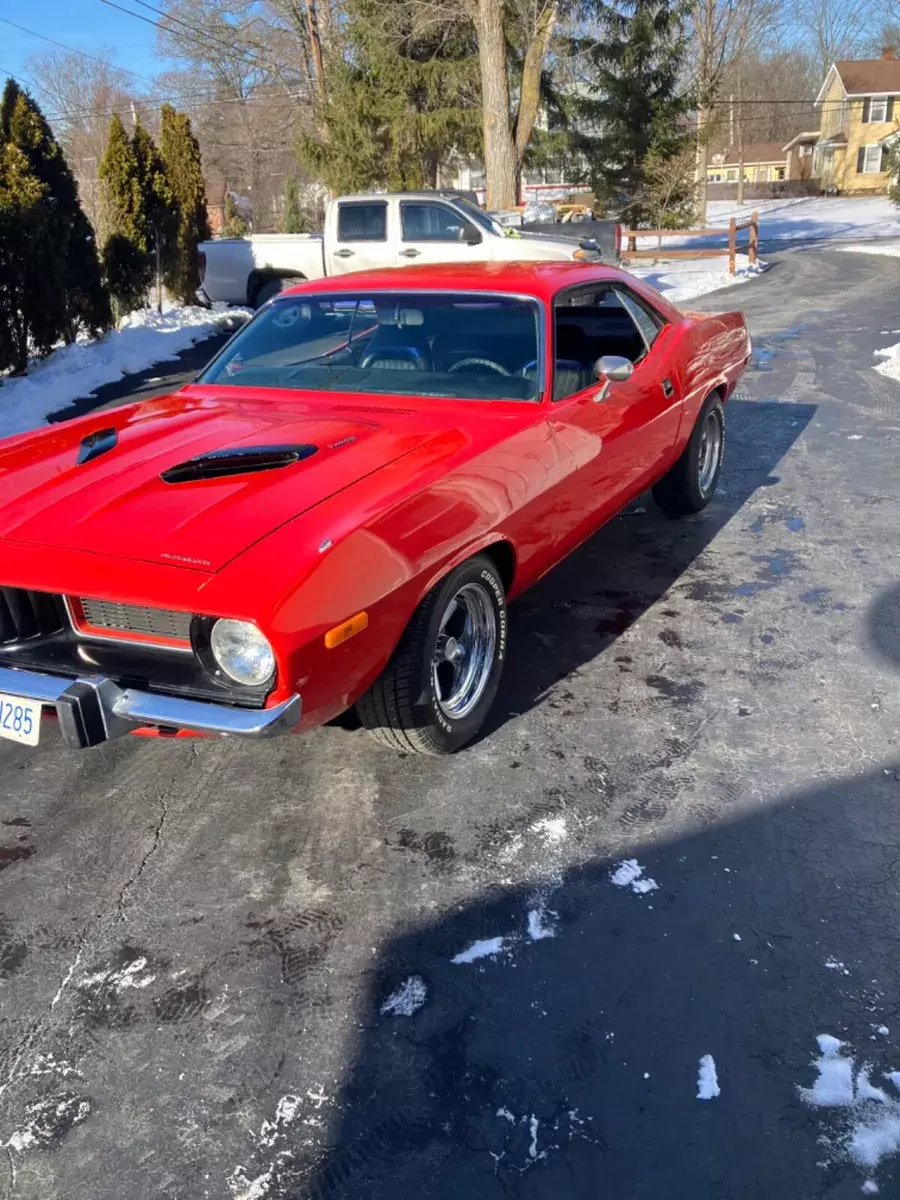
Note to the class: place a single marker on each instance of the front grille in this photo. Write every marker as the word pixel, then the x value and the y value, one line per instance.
pixel 133 618
pixel 25 615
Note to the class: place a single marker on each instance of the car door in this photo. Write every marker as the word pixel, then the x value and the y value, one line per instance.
pixel 618 435
pixel 435 232
pixel 360 237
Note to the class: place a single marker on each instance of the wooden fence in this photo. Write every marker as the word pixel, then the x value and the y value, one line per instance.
pixel 630 236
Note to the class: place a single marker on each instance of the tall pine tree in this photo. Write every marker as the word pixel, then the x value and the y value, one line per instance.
pixel 126 254
pixel 158 205
pixel 634 110
pixel 292 216
pixel 21 221
pixel 66 292
pixel 403 96
pixel 180 153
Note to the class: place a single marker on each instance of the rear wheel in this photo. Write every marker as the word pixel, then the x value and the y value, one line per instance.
pixel 436 691
pixel 269 288
pixel 691 483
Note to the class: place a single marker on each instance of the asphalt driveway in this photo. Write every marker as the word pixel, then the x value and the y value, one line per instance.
pixel 228 970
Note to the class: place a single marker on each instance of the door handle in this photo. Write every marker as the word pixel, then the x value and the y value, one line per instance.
pixel 410 253
pixel 343 253
pixel 668 388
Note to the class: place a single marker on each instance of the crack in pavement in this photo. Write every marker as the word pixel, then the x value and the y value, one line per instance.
pixel 154 846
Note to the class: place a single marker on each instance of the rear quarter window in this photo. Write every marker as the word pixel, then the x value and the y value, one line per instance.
pixel 362 222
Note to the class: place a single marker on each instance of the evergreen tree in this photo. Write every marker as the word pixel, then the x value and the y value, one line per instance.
pixel 180 153
pixel 158 206
pixel 66 291
pixel 635 111
pixel 126 218
pixel 292 217
pixel 22 218
pixel 235 226
pixel 398 102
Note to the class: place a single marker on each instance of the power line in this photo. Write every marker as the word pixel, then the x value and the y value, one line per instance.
pixel 71 49
pixel 198 36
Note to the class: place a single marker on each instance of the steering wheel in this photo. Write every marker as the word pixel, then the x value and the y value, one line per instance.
pixel 478 362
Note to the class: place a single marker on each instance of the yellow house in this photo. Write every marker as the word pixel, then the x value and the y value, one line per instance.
pixel 856 120
pixel 764 162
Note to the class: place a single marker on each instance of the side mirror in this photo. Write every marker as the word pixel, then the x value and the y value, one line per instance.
pixel 613 368
pixel 470 235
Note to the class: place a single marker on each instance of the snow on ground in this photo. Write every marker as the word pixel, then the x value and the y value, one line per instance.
pixel 407 999
pixel 803 218
pixel 865 1119
pixel 889 248
pixel 628 874
pixel 891 365
pixel 707 1079
pixel 75 371
pixel 682 280
pixel 485 948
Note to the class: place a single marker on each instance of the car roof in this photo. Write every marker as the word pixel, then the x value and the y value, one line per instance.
pixel 539 279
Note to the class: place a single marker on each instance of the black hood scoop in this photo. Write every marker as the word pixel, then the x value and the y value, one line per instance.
pixel 239 460
pixel 96 444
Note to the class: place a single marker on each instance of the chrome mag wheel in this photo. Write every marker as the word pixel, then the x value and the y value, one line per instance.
pixel 710 452
pixel 464 651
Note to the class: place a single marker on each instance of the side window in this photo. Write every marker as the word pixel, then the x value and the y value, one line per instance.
pixel 362 222
pixel 647 321
pixel 430 223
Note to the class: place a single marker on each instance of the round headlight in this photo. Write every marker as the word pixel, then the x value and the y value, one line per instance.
pixel 242 652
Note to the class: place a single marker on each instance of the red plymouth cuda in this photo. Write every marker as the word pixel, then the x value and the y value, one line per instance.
pixel 338 510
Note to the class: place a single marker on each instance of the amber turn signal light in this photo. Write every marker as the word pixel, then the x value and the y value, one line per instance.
pixel 346 630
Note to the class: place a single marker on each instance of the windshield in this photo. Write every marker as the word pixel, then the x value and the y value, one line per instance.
pixel 478 214
pixel 470 346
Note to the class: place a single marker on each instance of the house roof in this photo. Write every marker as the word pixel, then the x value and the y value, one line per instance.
pixel 755 152
pixel 865 77
pixel 811 136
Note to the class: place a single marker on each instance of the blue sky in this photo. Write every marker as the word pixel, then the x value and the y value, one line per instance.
pixel 85 25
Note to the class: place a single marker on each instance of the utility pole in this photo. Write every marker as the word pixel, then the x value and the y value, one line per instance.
pixel 315 42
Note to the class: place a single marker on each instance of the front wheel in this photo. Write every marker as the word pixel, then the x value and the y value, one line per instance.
pixel 435 693
pixel 691 483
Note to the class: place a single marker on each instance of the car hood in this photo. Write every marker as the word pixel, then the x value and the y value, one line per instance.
pixel 118 504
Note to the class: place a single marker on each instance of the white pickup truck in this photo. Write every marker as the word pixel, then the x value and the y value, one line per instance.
pixel 362 232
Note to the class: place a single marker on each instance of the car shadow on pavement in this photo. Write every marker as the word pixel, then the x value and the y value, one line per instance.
pixel 565 1064
pixel 579 610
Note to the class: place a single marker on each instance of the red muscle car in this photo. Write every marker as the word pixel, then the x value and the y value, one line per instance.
pixel 338 510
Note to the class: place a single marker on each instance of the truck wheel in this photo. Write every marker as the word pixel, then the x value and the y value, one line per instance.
pixel 436 691
pixel 268 289
pixel 690 485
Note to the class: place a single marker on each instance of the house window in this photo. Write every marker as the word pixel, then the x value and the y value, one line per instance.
pixel 868 160
pixel 805 150
pixel 779 172
pixel 731 175
pixel 878 110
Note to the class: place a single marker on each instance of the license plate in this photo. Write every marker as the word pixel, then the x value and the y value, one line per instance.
pixel 20 720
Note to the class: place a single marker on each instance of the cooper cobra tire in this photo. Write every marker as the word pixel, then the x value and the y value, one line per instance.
pixel 691 483
pixel 436 691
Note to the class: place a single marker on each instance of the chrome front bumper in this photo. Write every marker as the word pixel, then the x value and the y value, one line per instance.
pixel 92 709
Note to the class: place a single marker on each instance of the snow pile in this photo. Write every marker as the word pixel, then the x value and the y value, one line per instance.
pixel 407 999
pixel 868 1117
pixel 682 281
pixel 707 1079
pixel 891 364
pixel 628 874
pixel 73 372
